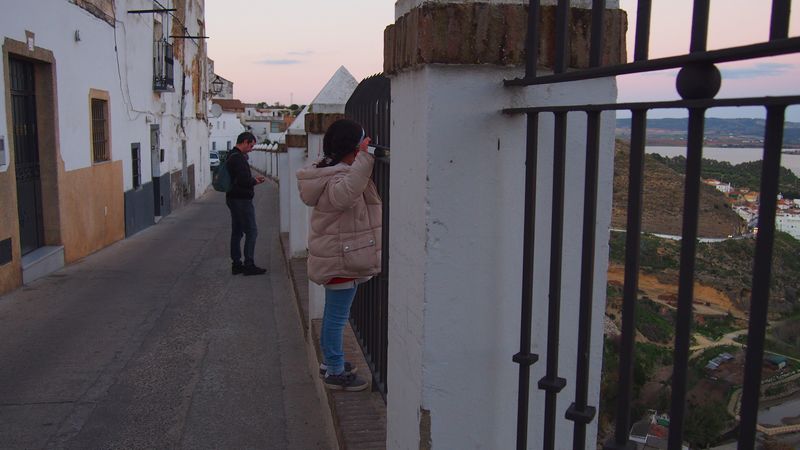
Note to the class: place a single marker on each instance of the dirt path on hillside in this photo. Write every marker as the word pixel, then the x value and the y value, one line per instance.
pixel 708 301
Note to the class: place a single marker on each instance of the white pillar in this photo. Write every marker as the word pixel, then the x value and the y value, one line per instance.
pixel 457 196
pixel 284 189
pixel 298 211
pixel 316 293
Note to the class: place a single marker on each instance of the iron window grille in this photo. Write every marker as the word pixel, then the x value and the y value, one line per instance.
pixel 163 66
pixel 100 147
pixel 136 165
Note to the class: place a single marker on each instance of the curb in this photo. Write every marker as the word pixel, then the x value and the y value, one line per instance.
pixel 358 419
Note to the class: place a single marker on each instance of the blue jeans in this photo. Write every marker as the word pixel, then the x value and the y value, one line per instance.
pixel 243 222
pixel 334 319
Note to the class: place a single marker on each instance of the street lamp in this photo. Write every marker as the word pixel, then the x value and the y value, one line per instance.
pixel 216 86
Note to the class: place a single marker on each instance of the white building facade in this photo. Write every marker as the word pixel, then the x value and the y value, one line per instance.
pixel 788 223
pixel 226 127
pixel 103 125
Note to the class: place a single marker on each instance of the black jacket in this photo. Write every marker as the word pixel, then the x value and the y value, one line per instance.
pixel 241 179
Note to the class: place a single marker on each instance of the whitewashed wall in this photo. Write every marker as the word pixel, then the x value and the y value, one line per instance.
pixel 455 275
pixel 225 128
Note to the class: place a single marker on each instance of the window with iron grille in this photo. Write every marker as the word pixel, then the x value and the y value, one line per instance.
pixel 163 66
pixel 136 165
pixel 100 144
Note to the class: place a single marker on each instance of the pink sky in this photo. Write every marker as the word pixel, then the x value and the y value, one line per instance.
pixel 286 51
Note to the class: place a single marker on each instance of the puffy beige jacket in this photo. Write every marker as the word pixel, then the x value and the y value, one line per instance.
pixel 344 239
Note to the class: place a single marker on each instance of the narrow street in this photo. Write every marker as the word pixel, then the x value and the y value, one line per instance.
pixel 152 343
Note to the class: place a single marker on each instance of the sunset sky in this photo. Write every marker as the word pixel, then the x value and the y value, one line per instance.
pixel 286 51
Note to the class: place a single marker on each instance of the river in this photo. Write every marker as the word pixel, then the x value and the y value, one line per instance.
pixel 730 154
pixel 774 415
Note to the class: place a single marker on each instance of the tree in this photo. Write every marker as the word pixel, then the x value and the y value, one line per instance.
pixel 704 423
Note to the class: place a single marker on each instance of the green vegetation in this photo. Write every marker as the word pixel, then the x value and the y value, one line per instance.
pixel 744 175
pixel 704 423
pixel 716 327
pixel 655 254
pixel 775 390
pixel 726 266
pixel 655 321
pixel 647 359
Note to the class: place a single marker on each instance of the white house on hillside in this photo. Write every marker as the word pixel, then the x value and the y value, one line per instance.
pixel 227 126
pixel 788 223
pixel 103 128
pixel 266 123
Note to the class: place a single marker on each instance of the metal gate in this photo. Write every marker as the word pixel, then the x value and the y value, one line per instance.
pixel 26 154
pixel 369 106
pixel 697 83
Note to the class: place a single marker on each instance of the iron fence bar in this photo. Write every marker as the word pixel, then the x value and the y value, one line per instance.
pixel 762 271
pixel 642 40
pixel 598 26
pixel 631 283
pixel 579 411
pixel 686 104
pixel 532 39
pixel 525 358
pixel 683 325
pixel 779 21
pixel 775 47
pixel 562 37
pixel 699 39
pixel 551 383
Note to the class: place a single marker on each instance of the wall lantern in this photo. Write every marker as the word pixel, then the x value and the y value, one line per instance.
pixel 216 86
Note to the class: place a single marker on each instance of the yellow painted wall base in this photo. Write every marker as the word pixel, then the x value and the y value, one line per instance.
pixel 92 209
pixel 11 273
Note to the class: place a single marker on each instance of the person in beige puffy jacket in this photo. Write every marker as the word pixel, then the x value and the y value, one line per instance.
pixel 344 239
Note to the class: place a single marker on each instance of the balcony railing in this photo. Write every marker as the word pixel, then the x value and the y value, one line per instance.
pixel 697 83
pixel 163 66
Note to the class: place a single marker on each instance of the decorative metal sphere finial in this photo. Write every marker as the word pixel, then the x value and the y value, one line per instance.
pixel 697 81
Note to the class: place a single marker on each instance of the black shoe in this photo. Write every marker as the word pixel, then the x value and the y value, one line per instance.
pixel 348 368
pixel 236 269
pixel 346 382
pixel 253 270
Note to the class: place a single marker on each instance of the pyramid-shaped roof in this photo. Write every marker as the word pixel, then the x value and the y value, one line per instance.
pixel 332 98
pixel 299 124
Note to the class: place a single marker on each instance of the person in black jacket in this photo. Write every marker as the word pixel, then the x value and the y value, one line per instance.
pixel 240 201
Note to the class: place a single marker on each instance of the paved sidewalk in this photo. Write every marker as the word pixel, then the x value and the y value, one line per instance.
pixel 151 343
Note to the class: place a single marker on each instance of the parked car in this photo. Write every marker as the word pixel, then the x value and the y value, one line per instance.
pixel 214 158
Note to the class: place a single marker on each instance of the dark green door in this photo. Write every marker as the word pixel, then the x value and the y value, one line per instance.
pixel 26 154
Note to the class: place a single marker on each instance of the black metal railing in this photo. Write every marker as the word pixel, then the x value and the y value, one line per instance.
pixel 369 106
pixel 697 83
pixel 163 66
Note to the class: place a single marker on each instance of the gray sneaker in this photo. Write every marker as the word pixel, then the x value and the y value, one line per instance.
pixel 348 368
pixel 345 382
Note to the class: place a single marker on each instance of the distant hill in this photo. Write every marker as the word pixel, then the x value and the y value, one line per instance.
pixel 734 132
pixel 743 175
pixel 663 200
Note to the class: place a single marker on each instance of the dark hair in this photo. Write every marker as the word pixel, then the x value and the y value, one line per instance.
pixel 341 139
pixel 245 137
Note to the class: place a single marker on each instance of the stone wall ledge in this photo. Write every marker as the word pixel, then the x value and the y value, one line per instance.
pixel 318 123
pixel 484 33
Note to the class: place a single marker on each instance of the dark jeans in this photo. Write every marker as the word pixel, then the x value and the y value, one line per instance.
pixel 243 222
